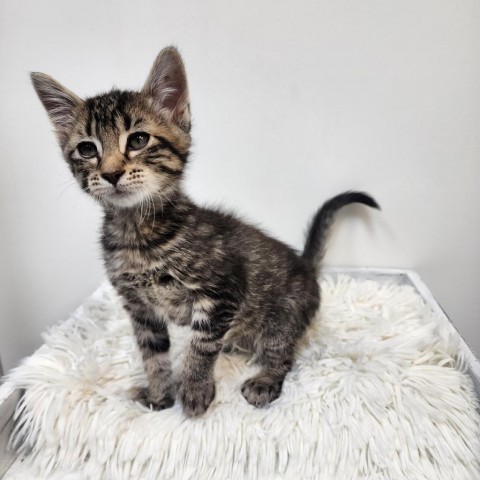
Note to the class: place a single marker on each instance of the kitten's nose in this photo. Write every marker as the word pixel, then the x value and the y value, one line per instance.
pixel 113 177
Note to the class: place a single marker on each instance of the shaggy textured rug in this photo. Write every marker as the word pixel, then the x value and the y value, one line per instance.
pixel 378 391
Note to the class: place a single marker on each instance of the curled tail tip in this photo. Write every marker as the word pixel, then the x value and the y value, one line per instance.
pixel 352 196
pixel 319 228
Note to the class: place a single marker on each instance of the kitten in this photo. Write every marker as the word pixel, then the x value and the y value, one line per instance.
pixel 173 261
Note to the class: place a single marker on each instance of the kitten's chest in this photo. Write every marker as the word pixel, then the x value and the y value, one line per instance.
pixel 149 283
pixel 140 267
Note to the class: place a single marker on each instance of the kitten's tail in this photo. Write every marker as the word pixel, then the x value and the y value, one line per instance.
pixel 322 221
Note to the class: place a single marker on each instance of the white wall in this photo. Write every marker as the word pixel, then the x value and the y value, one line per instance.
pixel 375 94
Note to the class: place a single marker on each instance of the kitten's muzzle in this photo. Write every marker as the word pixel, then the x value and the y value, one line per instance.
pixel 113 177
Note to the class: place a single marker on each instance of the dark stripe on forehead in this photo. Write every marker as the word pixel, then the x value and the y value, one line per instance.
pixel 122 99
pixel 114 114
pixel 88 127
pixel 90 104
pixel 107 110
pixel 127 121
pixel 98 122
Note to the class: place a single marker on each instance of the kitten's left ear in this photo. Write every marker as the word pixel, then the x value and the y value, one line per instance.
pixel 59 102
pixel 167 86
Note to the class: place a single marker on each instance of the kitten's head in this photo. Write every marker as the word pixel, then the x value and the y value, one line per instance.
pixel 125 147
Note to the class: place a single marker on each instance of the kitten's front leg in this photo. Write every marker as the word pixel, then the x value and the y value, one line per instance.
pixel 152 339
pixel 210 321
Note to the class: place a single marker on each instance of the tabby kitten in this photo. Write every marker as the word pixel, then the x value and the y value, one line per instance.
pixel 173 261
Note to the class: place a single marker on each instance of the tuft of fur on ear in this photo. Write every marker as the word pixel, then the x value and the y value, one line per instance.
pixel 167 87
pixel 59 102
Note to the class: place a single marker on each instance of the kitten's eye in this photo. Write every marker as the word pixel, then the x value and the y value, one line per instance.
pixel 87 149
pixel 138 140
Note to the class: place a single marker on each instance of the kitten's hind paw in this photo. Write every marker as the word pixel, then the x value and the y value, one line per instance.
pixel 260 391
pixel 142 395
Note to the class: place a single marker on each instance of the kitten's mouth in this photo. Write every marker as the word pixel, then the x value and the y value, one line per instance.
pixel 120 193
pixel 120 197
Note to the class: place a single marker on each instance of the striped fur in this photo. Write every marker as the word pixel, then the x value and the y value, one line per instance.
pixel 173 261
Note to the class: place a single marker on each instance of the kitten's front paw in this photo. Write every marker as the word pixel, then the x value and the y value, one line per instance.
pixel 142 395
pixel 260 391
pixel 196 397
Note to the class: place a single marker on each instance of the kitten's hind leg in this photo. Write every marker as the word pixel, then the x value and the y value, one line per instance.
pixel 276 346
pixel 276 358
pixel 277 341
pixel 152 339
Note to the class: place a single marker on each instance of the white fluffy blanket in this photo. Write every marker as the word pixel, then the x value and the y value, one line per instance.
pixel 378 391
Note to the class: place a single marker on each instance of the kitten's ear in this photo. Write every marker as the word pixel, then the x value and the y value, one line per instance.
pixel 59 102
pixel 167 86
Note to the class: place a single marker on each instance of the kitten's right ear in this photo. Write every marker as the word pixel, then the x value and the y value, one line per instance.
pixel 59 102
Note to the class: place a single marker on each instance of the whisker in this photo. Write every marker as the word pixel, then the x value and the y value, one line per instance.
pixel 142 212
pixel 159 196
pixel 152 201
pixel 70 183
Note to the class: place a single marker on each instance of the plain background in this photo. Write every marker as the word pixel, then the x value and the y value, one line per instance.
pixel 293 102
